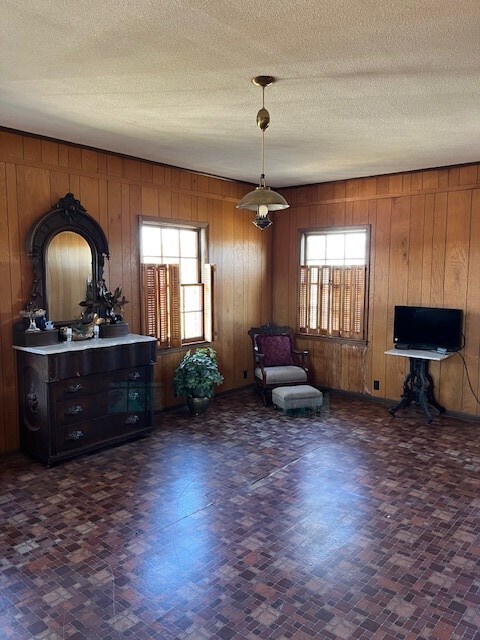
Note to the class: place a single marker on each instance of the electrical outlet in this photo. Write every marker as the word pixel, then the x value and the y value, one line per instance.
pixel 376 385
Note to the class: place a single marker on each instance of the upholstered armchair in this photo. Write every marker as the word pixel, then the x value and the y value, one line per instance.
pixel 275 361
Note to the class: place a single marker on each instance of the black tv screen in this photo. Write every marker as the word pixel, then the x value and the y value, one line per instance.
pixel 427 328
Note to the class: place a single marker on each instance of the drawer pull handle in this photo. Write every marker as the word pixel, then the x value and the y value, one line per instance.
pixel 134 395
pixel 132 419
pixel 73 388
pixel 74 411
pixel 75 435
pixel 135 375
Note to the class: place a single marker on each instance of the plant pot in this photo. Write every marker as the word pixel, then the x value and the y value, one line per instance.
pixel 116 330
pixel 196 406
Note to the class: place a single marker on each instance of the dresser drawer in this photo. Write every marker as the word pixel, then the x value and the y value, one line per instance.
pixel 94 432
pixel 98 383
pixel 81 408
pixel 81 435
pixel 73 388
pixel 90 361
pixel 127 390
pixel 121 398
pixel 127 422
pixel 132 376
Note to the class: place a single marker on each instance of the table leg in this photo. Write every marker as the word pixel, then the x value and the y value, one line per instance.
pixel 406 397
pixel 418 387
pixel 430 397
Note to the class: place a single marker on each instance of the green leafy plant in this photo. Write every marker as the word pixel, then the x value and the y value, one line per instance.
pixel 197 374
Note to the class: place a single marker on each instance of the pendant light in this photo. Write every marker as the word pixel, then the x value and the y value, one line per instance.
pixel 263 199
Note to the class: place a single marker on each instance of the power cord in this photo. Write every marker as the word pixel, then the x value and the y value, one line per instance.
pixel 468 377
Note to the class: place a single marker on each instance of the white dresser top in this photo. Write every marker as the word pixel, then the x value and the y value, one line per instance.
pixel 83 345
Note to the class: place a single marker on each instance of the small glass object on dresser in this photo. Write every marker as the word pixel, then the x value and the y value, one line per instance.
pixel 32 313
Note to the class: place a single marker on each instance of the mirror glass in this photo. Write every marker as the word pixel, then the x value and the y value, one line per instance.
pixel 68 269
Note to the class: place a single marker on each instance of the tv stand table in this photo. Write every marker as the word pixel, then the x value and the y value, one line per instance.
pixel 418 383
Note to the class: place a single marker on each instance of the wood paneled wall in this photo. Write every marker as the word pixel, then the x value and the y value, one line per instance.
pixel 115 190
pixel 425 250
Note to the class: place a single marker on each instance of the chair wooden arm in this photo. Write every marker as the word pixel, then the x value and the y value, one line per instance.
pixel 260 360
pixel 303 357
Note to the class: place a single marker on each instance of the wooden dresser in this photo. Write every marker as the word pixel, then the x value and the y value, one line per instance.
pixel 78 397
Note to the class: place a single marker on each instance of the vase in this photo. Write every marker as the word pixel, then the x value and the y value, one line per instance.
pixel 196 406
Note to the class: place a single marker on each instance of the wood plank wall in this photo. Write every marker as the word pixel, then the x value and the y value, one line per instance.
pixel 425 250
pixel 36 172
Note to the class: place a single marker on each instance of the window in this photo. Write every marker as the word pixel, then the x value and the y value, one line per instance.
pixel 333 283
pixel 177 282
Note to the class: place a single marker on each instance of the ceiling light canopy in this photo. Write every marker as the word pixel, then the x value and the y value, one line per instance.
pixel 263 199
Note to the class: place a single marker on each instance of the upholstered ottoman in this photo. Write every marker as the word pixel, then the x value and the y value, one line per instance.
pixel 297 399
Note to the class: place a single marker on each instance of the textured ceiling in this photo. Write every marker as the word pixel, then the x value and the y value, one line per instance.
pixel 364 87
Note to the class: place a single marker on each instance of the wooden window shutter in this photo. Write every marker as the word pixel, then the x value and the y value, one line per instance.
pixel 359 281
pixel 314 300
pixel 303 300
pixel 336 300
pixel 313 296
pixel 325 300
pixel 208 282
pixel 175 329
pixel 161 304
pixel 346 316
pixel 150 301
pixel 353 302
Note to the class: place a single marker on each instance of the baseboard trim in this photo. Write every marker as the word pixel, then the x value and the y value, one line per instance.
pixel 466 417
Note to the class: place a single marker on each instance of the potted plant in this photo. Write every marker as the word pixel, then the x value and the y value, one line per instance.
pixel 195 378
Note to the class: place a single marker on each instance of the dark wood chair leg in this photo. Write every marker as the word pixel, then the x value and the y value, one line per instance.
pixel 265 394
pixel 267 397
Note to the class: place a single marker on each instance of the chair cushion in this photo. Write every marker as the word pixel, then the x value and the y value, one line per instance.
pixel 276 349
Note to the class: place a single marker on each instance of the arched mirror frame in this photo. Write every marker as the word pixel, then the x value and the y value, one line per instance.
pixel 67 215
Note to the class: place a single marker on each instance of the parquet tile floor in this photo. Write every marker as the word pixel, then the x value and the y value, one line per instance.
pixel 245 524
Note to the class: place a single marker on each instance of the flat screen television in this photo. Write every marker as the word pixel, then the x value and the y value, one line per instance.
pixel 427 328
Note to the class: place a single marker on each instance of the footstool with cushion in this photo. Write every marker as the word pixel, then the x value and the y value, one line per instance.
pixel 299 398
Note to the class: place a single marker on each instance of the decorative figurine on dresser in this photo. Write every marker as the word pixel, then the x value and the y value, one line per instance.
pixel 84 381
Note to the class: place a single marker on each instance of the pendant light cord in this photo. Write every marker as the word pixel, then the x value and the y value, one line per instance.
pixel 263 199
pixel 262 179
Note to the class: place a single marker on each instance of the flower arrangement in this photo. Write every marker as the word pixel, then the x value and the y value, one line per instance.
pixel 108 305
pixel 112 303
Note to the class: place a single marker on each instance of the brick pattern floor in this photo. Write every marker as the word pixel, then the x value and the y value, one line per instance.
pixel 244 523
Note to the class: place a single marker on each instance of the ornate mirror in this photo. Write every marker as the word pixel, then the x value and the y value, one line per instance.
pixel 68 250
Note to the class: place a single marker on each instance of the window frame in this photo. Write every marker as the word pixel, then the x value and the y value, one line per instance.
pixel 205 273
pixel 301 246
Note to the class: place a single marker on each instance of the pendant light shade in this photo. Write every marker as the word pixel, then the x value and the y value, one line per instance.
pixel 263 199
pixel 263 196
